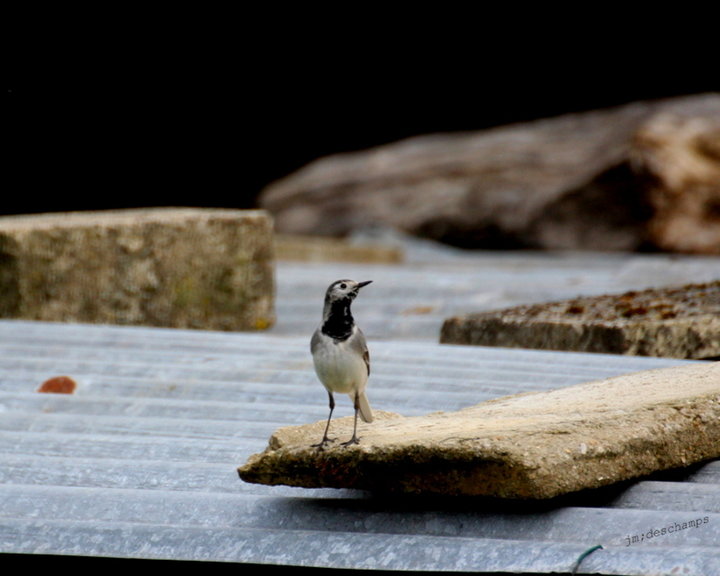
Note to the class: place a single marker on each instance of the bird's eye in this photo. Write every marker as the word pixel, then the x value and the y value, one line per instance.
pixel 343 285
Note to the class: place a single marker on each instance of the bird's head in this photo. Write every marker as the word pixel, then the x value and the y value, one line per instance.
pixel 344 290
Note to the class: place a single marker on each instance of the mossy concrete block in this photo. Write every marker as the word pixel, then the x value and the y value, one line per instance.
pixel 168 267
pixel 680 322
pixel 527 446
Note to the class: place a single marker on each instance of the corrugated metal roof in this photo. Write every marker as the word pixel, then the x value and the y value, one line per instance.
pixel 410 301
pixel 140 462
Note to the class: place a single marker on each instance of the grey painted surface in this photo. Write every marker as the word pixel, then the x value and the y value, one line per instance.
pixel 140 462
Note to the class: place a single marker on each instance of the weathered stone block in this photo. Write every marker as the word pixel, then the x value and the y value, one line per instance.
pixel 682 322
pixel 528 446
pixel 172 267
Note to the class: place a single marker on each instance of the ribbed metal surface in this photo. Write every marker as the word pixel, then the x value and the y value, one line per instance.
pixel 140 462
pixel 410 301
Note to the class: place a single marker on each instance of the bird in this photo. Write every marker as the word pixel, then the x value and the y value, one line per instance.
pixel 340 354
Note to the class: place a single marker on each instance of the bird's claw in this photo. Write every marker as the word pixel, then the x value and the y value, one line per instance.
pixel 353 440
pixel 321 445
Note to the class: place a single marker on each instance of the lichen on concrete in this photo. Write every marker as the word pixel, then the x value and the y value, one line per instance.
pixel 676 322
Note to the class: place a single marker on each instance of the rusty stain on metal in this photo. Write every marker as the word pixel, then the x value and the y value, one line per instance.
pixel 58 385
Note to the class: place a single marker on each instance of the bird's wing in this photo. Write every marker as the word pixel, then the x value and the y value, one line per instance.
pixel 360 345
pixel 314 341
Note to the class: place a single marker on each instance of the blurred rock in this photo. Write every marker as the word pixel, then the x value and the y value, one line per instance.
pixel 571 182
pixel 181 268
pixel 679 153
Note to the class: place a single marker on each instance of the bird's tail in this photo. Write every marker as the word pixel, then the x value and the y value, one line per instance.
pixel 364 408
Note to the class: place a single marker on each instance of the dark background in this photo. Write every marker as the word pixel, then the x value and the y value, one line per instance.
pixel 172 131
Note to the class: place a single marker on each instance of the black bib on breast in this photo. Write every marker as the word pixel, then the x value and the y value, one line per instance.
pixel 339 323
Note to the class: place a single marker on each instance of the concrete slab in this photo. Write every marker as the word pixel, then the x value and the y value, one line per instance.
pixel 168 267
pixel 677 322
pixel 528 446
pixel 299 248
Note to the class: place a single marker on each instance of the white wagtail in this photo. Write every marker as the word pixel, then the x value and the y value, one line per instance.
pixel 340 354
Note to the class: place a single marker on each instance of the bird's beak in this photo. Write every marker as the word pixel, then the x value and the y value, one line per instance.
pixel 361 284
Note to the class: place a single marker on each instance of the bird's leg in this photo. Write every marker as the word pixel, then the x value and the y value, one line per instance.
pixel 354 439
pixel 325 438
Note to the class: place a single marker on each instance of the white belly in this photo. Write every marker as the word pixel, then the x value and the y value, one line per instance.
pixel 339 370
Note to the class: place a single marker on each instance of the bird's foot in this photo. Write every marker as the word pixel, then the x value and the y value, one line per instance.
pixel 321 445
pixel 353 440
